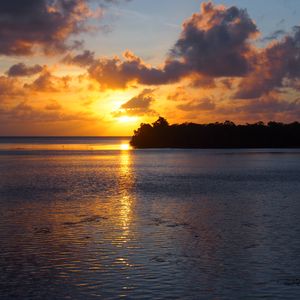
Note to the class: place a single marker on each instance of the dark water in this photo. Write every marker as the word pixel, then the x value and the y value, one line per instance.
pixel 86 222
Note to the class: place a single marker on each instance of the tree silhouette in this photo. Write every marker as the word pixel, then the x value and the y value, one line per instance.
pixel 160 123
pixel 216 135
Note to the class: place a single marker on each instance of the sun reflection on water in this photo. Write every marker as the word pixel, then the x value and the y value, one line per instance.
pixel 126 197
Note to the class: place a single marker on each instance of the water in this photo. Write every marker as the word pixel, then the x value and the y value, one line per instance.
pixel 90 219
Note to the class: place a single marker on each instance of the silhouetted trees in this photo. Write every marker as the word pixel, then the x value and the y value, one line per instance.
pixel 216 135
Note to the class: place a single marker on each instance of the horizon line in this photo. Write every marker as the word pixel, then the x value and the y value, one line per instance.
pixel 65 136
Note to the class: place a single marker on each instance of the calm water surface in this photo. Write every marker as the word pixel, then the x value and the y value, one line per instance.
pixel 90 219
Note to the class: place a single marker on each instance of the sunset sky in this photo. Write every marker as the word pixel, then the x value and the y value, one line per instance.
pixel 87 67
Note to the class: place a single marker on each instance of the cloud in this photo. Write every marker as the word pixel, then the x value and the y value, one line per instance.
pixel 274 35
pixel 204 82
pixel 198 105
pixel 189 102
pixel 266 108
pixel 85 59
pixel 215 49
pixel 115 1
pixel 142 101
pixel 21 69
pixel 273 106
pixel 10 88
pixel 47 82
pixel 47 24
pixel 118 74
pixel 53 105
pixel 227 83
pixel 25 113
pixel 44 24
pixel 277 62
pixel 179 94
pixel 138 105
pixel 214 42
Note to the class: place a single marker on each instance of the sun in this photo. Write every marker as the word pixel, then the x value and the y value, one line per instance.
pixel 127 119
pixel 125 147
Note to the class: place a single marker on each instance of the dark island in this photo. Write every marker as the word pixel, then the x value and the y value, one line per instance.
pixel 216 135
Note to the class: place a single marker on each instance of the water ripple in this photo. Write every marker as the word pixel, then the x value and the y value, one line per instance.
pixel 150 225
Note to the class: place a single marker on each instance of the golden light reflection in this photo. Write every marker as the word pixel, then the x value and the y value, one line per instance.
pixel 126 201
pixel 125 164
pixel 125 212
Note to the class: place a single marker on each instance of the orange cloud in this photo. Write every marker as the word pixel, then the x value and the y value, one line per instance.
pixel 277 62
pixel 50 83
pixel 138 106
pixel 214 43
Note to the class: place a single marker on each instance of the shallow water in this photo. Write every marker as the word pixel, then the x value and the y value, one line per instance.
pixel 149 224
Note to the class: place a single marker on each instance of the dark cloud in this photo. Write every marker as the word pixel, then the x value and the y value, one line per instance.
pixel 53 105
pixel 204 82
pixel 179 94
pixel 47 82
pixel 117 74
pixel 24 112
pixel 21 69
pixel 142 101
pixel 10 88
pixel 267 108
pixel 46 24
pixel 293 83
pixel 277 62
pixel 190 103
pixel 214 50
pixel 139 105
pixel 198 105
pixel 227 83
pixel 87 58
pixel 213 43
pixel 115 1
pixel 273 106
pixel 270 108
pixel 274 35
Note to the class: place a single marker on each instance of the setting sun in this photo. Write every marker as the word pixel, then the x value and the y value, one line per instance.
pixel 125 147
pixel 127 119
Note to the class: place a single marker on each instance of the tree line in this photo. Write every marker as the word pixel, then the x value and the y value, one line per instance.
pixel 161 134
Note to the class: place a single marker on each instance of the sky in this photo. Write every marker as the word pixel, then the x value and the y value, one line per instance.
pixel 100 68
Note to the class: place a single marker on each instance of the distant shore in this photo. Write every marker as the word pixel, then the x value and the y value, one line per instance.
pixel 161 134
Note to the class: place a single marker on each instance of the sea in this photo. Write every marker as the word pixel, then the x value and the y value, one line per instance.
pixel 92 218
